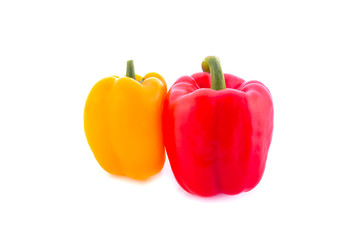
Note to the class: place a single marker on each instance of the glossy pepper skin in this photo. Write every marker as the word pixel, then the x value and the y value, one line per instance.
pixel 217 141
pixel 122 121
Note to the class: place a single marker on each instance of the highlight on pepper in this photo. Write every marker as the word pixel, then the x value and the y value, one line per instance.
pixel 217 131
pixel 123 123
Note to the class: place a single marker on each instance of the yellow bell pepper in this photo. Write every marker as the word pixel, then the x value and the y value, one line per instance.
pixel 122 121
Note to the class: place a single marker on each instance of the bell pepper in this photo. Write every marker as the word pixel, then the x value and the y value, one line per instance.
pixel 122 121
pixel 217 131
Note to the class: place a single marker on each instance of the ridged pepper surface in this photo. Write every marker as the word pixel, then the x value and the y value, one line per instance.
pixel 122 121
pixel 217 131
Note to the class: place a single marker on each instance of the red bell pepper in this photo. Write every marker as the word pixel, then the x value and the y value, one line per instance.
pixel 217 131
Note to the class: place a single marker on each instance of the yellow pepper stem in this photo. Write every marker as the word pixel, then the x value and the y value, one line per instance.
pixel 130 69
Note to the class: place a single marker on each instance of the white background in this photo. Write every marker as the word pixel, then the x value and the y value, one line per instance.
pixel 51 54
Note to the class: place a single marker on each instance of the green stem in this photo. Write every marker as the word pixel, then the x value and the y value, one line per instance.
pixel 212 65
pixel 130 69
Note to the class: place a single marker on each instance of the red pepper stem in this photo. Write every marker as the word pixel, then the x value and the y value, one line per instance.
pixel 212 65
pixel 130 69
